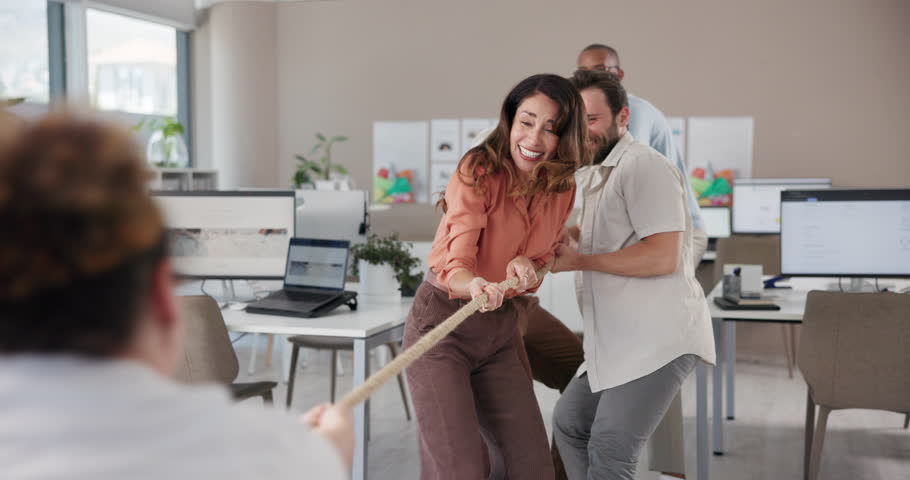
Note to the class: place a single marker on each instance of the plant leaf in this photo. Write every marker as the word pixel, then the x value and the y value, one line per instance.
pixel 301 158
pixel 340 169
pixel 321 137
pixel 339 138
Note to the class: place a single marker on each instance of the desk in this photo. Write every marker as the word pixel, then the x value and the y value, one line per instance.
pixel 374 323
pixel 793 305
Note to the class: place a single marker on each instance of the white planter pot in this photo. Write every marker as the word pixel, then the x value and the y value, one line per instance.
pixel 377 280
pixel 326 185
pixel 343 183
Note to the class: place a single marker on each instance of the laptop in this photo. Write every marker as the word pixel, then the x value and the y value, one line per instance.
pixel 313 280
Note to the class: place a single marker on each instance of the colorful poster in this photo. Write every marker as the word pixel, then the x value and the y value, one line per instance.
pixel 400 166
pixel 720 150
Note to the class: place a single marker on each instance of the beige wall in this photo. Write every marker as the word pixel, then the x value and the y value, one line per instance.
pixel 235 65
pixel 827 81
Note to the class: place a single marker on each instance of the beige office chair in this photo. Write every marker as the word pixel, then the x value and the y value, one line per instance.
pixel 854 353
pixel 334 344
pixel 761 250
pixel 208 353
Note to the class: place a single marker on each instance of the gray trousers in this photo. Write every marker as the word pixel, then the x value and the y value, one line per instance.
pixel 600 435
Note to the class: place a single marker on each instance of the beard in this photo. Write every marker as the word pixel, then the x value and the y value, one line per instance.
pixel 602 144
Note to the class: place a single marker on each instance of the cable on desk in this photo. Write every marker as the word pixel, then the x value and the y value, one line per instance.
pixel 238 338
pixel 841 287
pixel 877 290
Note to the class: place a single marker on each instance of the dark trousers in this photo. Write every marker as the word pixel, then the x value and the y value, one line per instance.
pixel 551 352
pixel 473 380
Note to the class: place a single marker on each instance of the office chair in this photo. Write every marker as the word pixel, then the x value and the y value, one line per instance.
pixel 854 353
pixel 208 353
pixel 334 344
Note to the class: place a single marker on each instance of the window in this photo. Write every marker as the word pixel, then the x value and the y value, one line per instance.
pixel 132 64
pixel 23 50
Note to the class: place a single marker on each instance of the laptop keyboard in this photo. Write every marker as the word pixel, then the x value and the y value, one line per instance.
pixel 306 297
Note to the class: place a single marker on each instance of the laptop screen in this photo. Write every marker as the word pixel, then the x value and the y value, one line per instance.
pixel 318 264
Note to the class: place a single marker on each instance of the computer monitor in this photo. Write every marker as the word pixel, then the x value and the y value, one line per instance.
pixel 228 234
pixel 845 233
pixel 716 221
pixel 332 215
pixel 756 201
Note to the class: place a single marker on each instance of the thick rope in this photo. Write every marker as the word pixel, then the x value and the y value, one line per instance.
pixel 428 341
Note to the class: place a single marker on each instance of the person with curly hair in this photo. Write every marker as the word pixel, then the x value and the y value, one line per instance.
pixel 90 334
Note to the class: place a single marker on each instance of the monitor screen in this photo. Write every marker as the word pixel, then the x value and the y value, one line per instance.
pixel 320 264
pixel 756 201
pixel 228 234
pixel 716 221
pixel 845 233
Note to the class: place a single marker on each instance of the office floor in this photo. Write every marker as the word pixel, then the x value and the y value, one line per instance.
pixel 765 442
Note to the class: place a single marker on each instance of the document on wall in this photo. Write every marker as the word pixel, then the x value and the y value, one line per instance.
pixel 470 128
pixel 678 132
pixel 444 140
pixel 440 174
pixel 721 143
pixel 400 164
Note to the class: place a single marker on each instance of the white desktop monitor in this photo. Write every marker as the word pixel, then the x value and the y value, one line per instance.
pixel 228 234
pixel 716 221
pixel 845 233
pixel 756 201
pixel 332 215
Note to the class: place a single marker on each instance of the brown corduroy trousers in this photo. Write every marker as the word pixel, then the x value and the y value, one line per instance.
pixel 472 380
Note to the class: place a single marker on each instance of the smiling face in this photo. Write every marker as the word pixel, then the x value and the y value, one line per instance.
pixel 604 128
pixel 533 139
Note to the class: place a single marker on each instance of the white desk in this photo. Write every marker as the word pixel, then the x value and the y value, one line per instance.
pixel 793 305
pixel 371 325
pixel 374 323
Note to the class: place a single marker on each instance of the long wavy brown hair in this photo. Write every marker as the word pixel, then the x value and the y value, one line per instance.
pixel 493 155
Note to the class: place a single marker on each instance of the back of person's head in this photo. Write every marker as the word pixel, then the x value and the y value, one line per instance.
pixel 80 238
pixel 610 84
pixel 556 175
pixel 600 57
pixel 597 47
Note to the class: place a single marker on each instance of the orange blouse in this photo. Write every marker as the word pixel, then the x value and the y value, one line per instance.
pixel 483 232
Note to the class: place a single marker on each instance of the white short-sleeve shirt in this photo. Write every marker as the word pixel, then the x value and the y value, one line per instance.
pixel 107 419
pixel 633 326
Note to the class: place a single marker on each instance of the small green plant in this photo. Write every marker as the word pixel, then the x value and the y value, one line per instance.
pixel 391 251
pixel 310 170
pixel 169 128
pixel 10 101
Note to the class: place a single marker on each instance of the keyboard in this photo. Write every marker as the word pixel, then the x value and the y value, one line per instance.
pixel 302 297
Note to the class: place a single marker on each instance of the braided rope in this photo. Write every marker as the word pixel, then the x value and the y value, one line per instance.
pixel 428 341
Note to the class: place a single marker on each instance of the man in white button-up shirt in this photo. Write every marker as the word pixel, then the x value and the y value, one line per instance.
pixel 645 317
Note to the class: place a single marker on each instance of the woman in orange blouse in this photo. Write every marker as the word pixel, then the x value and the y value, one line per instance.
pixel 504 216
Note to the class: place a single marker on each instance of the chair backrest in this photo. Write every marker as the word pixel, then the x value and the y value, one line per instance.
pixel 854 350
pixel 208 353
pixel 761 250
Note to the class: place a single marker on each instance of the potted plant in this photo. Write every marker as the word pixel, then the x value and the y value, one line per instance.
pixel 166 148
pixel 318 173
pixel 10 101
pixel 384 266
